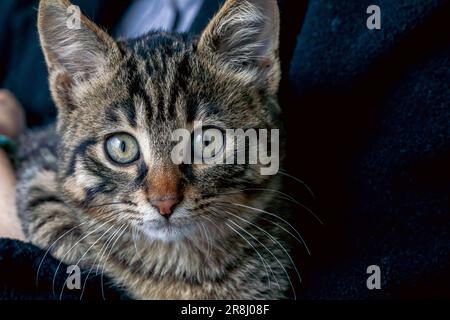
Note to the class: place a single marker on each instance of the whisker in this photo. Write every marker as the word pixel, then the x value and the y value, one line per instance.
pixel 129 203
pixel 274 240
pixel 121 227
pixel 276 258
pixel 284 173
pixel 300 240
pixel 284 195
pixel 61 260
pixel 82 257
pixel 134 232
pixel 107 257
pixel 273 215
pixel 51 246
pixel 216 213
pixel 97 259
pixel 281 195
pixel 264 261
pixel 208 242
pixel 291 199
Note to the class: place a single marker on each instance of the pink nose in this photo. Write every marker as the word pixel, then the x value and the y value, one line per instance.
pixel 165 205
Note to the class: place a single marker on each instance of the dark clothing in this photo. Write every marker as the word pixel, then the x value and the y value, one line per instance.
pixel 367 114
pixel 369 129
pixel 23 70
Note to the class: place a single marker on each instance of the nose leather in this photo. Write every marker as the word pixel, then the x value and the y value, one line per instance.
pixel 163 188
pixel 166 205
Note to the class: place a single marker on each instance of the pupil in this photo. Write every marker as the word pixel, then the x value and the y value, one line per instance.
pixel 123 146
pixel 208 142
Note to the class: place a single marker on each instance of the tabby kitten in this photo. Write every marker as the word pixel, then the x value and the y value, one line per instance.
pixel 100 189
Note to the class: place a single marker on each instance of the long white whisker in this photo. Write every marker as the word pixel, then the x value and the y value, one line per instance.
pixel 276 258
pixel 107 245
pixel 276 216
pixel 51 246
pixel 104 263
pixel 300 240
pixel 264 261
pixel 290 198
pixel 134 231
pixel 97 259
pixel 61 260
pixel 273 239
pixel 284 195
pixel 208 241
pixel 82 257
pixel 284 173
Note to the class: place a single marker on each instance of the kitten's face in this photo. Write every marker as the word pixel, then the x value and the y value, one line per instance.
pixel 120 103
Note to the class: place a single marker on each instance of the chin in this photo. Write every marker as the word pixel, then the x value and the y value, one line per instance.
pixel 167 231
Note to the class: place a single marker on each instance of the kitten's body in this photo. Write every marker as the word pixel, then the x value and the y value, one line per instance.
pixel 89 212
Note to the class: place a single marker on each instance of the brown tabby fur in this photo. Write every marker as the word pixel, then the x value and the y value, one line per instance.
pixel 86 210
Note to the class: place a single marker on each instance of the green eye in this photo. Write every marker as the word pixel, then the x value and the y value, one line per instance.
pixel 122 148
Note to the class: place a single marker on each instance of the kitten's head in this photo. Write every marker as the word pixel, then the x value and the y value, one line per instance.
pixel 119 103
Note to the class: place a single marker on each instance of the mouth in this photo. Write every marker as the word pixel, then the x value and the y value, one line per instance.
pixel 168 229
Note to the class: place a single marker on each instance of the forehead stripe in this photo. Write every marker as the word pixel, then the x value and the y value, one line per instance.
pixel 130 113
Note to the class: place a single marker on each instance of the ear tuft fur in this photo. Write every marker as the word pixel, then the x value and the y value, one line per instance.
pixel 79 50
pixel 245 36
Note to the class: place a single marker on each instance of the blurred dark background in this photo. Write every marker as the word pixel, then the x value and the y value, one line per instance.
pixel 367 116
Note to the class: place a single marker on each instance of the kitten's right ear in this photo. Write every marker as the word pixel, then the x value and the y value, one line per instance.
pixel 74 47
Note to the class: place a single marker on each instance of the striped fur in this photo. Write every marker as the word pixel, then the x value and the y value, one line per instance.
pixel 148 87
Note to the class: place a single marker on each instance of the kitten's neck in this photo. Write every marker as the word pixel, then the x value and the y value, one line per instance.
pixel 197 258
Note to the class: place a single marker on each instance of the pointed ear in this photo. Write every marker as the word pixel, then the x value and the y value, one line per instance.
pixel 244 35
pixel 74 47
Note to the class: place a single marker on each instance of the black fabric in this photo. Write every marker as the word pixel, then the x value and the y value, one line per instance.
pixel 368 121
pixel 368 126
pixel 28 273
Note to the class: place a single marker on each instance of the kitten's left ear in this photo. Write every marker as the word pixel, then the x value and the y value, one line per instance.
pixel 244 35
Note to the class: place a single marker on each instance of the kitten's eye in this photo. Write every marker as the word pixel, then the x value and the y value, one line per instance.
pixel 122 148
pixel 207 143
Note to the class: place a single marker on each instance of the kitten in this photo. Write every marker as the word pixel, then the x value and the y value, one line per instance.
pixel 100 189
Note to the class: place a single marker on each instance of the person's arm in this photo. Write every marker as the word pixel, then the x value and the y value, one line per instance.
pixel 11 125
pixel 9 222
